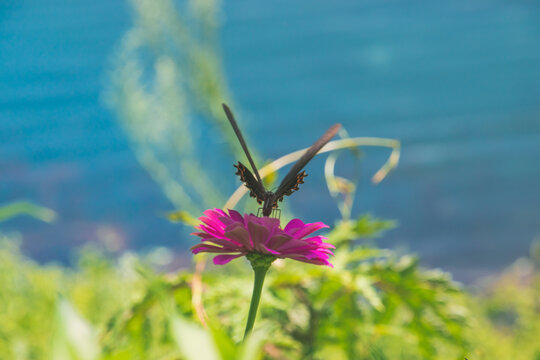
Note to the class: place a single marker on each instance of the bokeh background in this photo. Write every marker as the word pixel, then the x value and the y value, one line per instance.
pixel 455 81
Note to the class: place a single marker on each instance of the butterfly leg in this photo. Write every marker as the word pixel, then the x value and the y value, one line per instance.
pixel 276 213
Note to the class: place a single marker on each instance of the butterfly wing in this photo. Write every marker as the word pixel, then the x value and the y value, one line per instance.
pixel 255 189
pixel 290 182
pixel 288 188
pixel 238 133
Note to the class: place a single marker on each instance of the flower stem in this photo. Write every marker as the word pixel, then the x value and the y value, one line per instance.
pixel 255 298
pixel 260 263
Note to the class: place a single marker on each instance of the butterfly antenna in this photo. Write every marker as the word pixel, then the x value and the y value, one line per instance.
pixel 238 133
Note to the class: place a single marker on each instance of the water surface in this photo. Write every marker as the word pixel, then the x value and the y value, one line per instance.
pixel 456 82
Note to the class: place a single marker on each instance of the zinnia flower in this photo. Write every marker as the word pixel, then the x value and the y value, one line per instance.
pixel 234 235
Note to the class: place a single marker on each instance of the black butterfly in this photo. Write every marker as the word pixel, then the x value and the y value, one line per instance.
pixel 289 184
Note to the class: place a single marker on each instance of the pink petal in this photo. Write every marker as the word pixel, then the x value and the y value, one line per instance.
pixel 236 216
pixel 292 244
pixel 268 250
pixel 259 234
pixel 202 235
pixel 227 243
pixel 224 259
pixel 233 235
pixel 206 248
pixel 293 226
pixel 277 241
pixel 213 223
pixel 240 235
pixel 213 232
pixel 213 214
pixel 310 228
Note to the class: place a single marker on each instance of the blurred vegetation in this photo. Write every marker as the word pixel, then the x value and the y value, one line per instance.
pixel 166 79
pixel 21 207
pixel 167 85
pixel 374 304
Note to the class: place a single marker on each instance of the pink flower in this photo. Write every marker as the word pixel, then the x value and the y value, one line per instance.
pixel 234 235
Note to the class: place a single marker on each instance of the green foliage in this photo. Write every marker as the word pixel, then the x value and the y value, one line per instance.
pixel 372 305
pixel 102 309
pixel 17 208
pixel 365 227
pixel 74 338
pixel 166 74
pixel 369 301
pixel 508 314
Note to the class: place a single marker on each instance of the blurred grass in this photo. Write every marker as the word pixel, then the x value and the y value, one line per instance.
pixel 17 208
pixel 166 73
pixel 374 304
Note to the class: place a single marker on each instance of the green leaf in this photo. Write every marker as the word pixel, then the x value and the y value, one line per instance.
pixel 193 341
pixel 26 208
pixel 224 344
pixel 75 338
pixel 183 217
pixel 365 287
pixel 252 345
pixel 367 226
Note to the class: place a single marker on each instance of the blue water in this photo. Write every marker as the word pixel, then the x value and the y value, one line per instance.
pixel 456 82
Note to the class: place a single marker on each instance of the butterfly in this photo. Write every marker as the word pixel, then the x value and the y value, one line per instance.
pixel 290 182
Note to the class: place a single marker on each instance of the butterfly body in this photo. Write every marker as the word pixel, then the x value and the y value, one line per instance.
pixel 268 199
pixel 290 182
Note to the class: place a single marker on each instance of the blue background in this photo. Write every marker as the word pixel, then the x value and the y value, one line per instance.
pixel 455 81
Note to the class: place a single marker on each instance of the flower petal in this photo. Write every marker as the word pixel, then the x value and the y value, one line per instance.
pixel 226 243
pixel 206 248
pixel 235 215
pixel 293 226
pixel 276 241
pixel 241 235
pixel 259 235
pixel 309 228
pixel 224 259
pixel 233 235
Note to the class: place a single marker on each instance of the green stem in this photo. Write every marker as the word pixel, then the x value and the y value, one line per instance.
pixel 260 273
pixel 260 264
